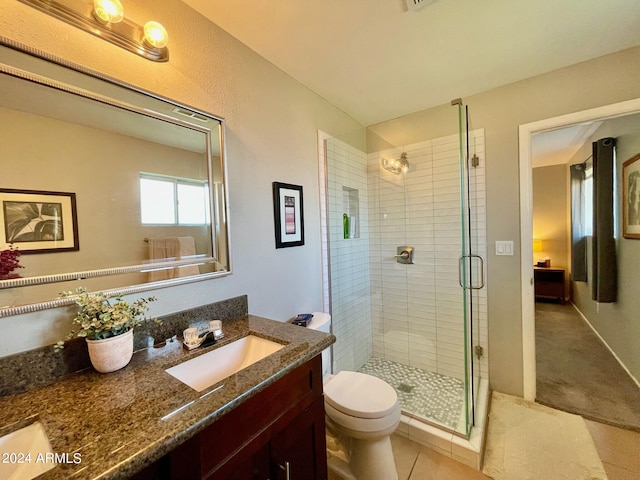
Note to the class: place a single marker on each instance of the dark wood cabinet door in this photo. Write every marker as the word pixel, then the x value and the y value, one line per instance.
pixel 255 467
pixel 299 450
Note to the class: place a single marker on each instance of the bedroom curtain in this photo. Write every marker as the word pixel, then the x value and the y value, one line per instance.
pixel 605 271
pixel 578 228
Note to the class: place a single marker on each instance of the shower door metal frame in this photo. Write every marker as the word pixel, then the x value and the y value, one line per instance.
pixel 465 261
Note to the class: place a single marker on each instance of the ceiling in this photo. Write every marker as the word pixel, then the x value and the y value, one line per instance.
pixel 376 60
pixel 559 146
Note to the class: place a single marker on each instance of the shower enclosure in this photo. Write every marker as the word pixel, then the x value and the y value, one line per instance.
pixel 418 323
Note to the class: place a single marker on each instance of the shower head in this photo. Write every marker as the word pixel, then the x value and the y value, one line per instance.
pixel 396 165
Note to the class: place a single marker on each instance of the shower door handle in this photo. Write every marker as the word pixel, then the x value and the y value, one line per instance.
pixel 460 279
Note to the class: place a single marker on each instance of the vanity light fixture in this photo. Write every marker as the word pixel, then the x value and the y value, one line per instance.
pixel 155 34
pixel 396 165
pixel 105 19
pixel 108 11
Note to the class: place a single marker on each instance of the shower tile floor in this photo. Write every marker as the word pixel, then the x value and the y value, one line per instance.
pixel 423 394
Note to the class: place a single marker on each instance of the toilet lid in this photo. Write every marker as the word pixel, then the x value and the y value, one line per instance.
pixel 360 395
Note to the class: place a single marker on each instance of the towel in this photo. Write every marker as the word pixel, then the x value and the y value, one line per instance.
pixel 187 249
pixel 162 248
pixel 172 248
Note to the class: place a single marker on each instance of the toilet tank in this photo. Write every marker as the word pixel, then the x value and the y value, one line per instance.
pixel 322 322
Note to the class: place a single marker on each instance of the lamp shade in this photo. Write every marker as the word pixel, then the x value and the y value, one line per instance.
pixel 537 245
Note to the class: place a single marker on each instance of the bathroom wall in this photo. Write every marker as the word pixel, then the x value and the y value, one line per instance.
pixel 271 126
pixel 550 213
pixel 602 81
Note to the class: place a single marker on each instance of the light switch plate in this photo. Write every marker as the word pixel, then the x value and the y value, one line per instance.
pixel 504 247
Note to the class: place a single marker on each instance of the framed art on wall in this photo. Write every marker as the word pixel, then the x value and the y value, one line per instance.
pixel 36 221
pixel 288 215
pixel 631 198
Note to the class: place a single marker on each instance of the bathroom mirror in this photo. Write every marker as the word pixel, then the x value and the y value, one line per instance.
pixel 103 186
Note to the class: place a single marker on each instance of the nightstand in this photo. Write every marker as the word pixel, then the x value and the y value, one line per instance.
pixel 549 282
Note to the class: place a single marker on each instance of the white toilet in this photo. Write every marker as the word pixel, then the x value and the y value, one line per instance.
pixel 362 411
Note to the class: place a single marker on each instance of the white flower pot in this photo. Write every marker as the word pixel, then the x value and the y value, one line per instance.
pixel 112 353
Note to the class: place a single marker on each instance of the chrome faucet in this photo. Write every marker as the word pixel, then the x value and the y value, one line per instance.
pixel 194 339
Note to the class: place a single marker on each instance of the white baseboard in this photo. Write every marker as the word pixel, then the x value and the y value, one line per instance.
pixel 635 380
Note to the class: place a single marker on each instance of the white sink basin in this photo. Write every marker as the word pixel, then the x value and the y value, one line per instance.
pixel 216 365
pixel 23 453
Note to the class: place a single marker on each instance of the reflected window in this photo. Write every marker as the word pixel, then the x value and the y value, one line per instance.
pixel 173 201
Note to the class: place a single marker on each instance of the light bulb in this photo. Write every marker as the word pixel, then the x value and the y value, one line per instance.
pixel 108 11
pixel 155 34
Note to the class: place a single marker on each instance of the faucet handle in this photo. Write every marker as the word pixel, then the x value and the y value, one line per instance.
pixel 215 326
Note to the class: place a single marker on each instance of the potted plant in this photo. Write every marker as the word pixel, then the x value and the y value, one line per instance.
pixel 107 325
pixel 9 261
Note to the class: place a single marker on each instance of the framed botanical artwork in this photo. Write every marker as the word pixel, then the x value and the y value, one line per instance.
pixel 288 215
pixel 631 198
pixel 34 221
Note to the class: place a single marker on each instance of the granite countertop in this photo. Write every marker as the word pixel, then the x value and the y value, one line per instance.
pixel 123 421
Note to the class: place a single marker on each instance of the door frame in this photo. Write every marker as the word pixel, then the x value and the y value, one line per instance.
pixel 526 132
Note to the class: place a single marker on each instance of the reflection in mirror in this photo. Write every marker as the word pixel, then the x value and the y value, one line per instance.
pixel 103 186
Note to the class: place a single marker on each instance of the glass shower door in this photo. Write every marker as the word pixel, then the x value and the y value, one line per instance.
pixel 408 323
pixel 471 269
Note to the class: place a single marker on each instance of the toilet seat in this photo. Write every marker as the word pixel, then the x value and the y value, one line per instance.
pixel 359 427
pixel 359 395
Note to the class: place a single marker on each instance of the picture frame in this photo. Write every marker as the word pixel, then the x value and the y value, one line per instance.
pixel 36 221
pixel 288 211
pixel 631 198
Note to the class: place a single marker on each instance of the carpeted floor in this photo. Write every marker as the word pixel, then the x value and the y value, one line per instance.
pixel 577 373
pixel 527 441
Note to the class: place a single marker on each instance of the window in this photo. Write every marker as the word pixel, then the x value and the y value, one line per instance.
pixel 588 198
pixel 173 201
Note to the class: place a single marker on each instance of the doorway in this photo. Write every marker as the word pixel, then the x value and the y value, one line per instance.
pixel 526 133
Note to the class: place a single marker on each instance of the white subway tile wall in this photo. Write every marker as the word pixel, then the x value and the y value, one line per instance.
pixel 349 258
pixel 411 314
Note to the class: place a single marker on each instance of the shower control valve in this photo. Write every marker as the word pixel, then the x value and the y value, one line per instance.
pixel 405 255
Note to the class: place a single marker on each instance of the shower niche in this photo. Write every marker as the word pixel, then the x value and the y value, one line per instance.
pixel 351 209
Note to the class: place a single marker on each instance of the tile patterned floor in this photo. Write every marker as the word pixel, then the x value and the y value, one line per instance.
pixel 415 462
pixel 423 394
pixel 618 449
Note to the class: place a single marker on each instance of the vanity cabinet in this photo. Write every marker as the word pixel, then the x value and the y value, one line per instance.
pixel 277 434
pixel 295 451
pixel 291 453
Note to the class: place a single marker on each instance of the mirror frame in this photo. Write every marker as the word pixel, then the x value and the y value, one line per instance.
pixel 71 276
